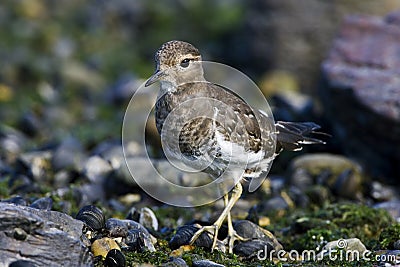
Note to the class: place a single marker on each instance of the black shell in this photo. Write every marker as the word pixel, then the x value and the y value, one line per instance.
pixel 135 240
pixel 116 227
pixel 185 233
pixel 115 258
pixel 22 263
pixel 133 233
pixel 250 248
pixel 92 216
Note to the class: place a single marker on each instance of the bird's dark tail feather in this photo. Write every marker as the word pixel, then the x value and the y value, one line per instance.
pixel 293 135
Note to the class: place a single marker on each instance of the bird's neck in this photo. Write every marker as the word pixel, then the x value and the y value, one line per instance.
pixel 167 87
pixel 172 86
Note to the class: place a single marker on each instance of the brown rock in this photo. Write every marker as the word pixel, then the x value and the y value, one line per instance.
pixel 361 91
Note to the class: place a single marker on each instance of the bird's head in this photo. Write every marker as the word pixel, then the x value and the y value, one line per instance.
pixel 177 62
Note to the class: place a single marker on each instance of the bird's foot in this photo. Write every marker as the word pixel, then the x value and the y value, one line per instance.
pixel 212 229
pixel 231 238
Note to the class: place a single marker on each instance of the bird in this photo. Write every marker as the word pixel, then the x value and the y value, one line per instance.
pixel 212 129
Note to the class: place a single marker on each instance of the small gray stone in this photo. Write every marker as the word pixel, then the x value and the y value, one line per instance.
pixel 36 165
pixel 206 263
pixel 68 155
pixel 96 169
pixel 351 244
pixel 44 203
pixel 175 262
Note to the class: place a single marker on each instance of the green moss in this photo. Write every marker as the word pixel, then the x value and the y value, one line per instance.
pixel 314 229
pixel 4 188
pixel 389 235
pixel 157 258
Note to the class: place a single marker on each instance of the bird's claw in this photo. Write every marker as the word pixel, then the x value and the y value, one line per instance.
pixel 231 238
pixel 212 229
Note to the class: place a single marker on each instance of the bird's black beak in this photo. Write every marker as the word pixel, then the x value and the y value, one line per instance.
pixel 155 77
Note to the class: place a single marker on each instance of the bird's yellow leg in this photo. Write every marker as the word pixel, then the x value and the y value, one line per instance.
pixel 229 203
pixel 232 235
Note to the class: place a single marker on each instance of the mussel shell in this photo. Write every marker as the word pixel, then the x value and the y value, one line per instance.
pixel 44 203
pixel 135 240
pixel 129 229
pixel 115 258
pixel 251 248
pixel 116 227
pixel 185 233
pixel 92 216
pixel 145 216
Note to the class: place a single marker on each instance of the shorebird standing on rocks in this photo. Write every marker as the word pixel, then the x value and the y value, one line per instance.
pixel 230 137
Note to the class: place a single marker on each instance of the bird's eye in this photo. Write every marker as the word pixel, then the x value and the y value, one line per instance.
pixel 185 63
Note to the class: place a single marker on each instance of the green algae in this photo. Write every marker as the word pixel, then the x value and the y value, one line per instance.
pixel 389 235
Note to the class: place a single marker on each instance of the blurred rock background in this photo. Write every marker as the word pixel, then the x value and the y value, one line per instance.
pixel 69 68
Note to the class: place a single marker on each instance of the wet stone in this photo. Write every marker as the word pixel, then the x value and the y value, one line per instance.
pixel 344 177
pixel 44 203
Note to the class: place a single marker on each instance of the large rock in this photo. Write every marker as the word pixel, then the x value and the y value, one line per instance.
pixel 294 36
pixel 361 91
pixel 45 238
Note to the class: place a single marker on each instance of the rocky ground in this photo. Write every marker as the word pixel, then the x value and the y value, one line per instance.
pixel 68 199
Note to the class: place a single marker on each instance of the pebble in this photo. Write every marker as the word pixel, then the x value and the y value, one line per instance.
pixel 44 203
pixel 206 263
pixel 101 247
pixel 175 262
